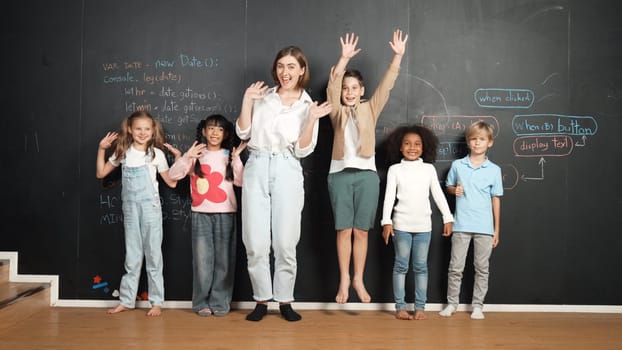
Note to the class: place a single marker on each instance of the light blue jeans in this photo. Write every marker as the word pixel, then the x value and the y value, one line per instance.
pixel 413 246
pixel 213 261
pixel 272 202
pixel 142 221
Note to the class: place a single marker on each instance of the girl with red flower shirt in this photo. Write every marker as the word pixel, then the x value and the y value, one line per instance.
pixel 214 167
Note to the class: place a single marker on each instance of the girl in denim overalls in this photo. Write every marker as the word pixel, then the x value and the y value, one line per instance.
pixel 140 159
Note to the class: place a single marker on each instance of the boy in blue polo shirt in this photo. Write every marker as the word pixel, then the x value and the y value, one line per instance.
pixel 477 184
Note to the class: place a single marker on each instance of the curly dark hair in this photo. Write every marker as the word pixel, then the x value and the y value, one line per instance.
pixel 394 143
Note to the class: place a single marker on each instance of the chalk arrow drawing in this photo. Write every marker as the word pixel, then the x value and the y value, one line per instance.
pixel 541 162
pixel 582 142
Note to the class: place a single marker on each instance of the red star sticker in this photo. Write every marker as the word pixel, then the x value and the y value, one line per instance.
pixel 97 279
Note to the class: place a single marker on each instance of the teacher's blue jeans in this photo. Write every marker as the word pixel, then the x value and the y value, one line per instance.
pixel 272 202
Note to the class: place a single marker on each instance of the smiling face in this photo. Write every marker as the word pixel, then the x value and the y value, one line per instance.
pixel 290 58
pixel 412 146
pixel 351 91
pixel 142 130
pixel 289 72
pixel 214 134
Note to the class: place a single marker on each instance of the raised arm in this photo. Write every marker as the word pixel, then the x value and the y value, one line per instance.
pixel 176 153
pixel 253 92
pixel 184 164
pixel 380 96
pixel 398 45
pixel 104 167
pixel 348 50
pixel 308 136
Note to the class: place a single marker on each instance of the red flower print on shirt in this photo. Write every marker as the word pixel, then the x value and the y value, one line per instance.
pixel 206 187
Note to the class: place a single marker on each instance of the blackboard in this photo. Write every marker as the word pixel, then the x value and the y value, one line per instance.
pixel 545 74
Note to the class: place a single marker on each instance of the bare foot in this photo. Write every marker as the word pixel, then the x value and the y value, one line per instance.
pixel 359 287
pixel 403 315
pixel 116 310
pixel 342 293
pixel 420 315
pixel 155 311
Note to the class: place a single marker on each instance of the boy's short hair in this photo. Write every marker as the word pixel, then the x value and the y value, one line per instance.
pixel 354 73
pixel 478 127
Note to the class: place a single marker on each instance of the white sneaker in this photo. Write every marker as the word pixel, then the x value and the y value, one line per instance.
pixel 448 311
pixel 477 314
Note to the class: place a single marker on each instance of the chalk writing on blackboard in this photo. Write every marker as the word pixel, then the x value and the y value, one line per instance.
pixel 110 209
pixel 175 208
pixel 456 125
pixel 178 91
pixel 504 98
pixel 541 124
pixel 164 87
pixel 543 145
pixel 549 135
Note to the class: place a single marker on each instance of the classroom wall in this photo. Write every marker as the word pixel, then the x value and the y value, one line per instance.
pixel 545 74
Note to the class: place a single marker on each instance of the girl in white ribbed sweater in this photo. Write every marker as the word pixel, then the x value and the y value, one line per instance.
pixel 406 214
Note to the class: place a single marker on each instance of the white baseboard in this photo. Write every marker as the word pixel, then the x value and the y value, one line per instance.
pixel 249 305
pixel 16 277
pixel 54 301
